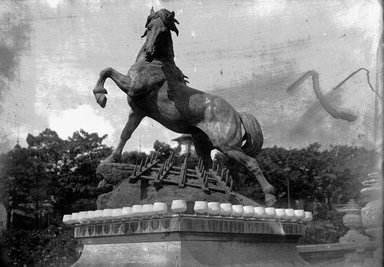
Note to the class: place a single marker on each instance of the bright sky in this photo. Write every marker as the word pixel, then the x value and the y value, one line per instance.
pixel 249 52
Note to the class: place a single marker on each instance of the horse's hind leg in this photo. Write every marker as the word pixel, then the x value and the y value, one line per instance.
pixel 203 147
pixel 252 165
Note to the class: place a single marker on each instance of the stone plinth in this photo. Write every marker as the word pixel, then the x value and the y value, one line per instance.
pixel 189 240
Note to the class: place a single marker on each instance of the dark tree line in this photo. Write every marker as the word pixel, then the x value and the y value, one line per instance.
pixel 62 173
pixel 324 176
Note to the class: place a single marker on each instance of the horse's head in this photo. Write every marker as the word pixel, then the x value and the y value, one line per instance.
pixel 158 27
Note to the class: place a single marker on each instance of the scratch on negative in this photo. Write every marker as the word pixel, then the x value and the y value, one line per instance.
pixel 326 105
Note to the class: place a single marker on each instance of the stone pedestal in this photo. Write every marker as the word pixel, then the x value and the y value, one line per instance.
pixel 372 216
pixel 352 220
pixel 189 240
pixel 354 248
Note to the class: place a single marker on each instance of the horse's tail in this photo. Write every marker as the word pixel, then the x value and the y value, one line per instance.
pixel 253 135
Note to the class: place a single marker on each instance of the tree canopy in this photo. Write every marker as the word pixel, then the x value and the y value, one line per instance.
pixel 53 169
pixel 62 172
pixel 327 176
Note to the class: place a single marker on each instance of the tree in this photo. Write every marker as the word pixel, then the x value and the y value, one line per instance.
pixel 55 170
pixel 61 171
pixel 74 182
pixel 19 169
pixel 314 175
pixel 133 157
pixel 163 149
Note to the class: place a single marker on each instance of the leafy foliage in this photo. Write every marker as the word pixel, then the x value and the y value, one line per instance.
pixel 165 150
pixel 327 227
pixel 49 170
pixel 52 246
pixel 133 157
pixel 324 176
pixel 62 172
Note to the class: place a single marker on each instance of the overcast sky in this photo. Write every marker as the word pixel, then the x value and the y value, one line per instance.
pixel 248 52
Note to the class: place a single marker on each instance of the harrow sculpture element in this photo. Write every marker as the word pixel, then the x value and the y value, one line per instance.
pixel 216 179
pixel 156 88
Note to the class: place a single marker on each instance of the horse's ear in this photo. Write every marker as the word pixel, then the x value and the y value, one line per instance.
pixel 152 11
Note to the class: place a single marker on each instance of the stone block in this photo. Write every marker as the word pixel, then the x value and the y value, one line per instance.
pixel 190 240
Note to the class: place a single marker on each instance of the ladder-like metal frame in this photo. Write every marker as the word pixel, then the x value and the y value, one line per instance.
pixel 215 179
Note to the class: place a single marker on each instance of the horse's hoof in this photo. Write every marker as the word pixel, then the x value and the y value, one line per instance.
pixel 101 100
pixel 270 189
pixel 270 200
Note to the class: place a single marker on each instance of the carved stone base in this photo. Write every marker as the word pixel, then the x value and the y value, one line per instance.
pixel 190 241
pixel 191 250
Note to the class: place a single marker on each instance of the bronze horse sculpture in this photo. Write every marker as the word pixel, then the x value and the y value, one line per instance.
pixel 156 88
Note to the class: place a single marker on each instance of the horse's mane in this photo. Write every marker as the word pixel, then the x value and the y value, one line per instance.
pixel 167 17
pixel 169 21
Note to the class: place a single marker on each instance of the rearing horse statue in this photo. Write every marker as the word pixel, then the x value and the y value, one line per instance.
pixel 156 88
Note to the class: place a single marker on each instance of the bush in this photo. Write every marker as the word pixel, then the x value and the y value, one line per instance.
pixel 53 246
pixel 327 227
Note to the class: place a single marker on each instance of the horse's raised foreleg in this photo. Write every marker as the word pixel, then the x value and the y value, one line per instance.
pixel 121 81
pixel 252 165
pixel 134 120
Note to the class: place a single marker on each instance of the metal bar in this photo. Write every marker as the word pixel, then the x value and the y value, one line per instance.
pixel 134 170
pixel 226 177
pixel 135 177
pixel 231 186
pixel 183 173
pixel 141 164
pixel 205 180
pixel 167 170
pixel 159 174
pixel 146 177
